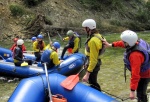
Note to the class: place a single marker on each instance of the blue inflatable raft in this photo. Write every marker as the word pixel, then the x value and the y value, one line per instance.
pixel 34 90
pixel 71 65
pixel 7 55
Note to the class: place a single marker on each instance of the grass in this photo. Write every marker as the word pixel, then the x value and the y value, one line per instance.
pixel 111 74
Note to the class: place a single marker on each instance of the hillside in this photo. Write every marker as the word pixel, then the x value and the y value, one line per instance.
pixel 69 14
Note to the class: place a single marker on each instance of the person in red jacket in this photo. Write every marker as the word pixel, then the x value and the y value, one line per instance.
pixel 136 58
pixel 15 44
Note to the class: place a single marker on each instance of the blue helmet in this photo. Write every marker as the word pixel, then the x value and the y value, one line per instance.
pixel 56 45
pixel 33 38
pixel 40 36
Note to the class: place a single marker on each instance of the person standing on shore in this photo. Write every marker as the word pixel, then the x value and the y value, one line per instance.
pixel 137 60
pixel 93 49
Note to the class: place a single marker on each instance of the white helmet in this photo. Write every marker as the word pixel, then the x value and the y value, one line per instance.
pixel 20 42
pixel 129 37
pixel 89 23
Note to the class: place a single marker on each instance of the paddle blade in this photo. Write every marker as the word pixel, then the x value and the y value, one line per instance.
pixel 24 64
pixel 70 82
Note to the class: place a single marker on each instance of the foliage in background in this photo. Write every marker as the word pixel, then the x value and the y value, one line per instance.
pixel 138 18
pixel 16 9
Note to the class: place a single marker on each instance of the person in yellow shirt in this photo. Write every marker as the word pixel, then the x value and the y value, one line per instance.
pixel 38 47
pixel 49 46
pixel 73 44
pixel 50 56
pixel 93 49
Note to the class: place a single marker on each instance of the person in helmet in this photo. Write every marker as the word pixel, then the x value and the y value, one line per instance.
pixel 73 44
pixel 15 44
pixel 136 59
pixel 18 54
pixel 93 49
pixel 50 56
pixel 38 47
pixel 33 39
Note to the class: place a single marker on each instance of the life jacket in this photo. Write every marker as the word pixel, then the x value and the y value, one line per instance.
pixel 46 56
pixel 20 54
pixel 71 41
pixel 101 51
pixel 40 45
pixel 143 47
pixel 78 37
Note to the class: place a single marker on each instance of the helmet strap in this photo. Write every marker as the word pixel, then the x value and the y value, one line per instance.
pixel 88 31
pixel 55 49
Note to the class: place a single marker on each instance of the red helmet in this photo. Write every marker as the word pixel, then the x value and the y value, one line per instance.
pixel 15 39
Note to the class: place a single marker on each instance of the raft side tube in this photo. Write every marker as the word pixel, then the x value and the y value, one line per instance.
pixel 32 90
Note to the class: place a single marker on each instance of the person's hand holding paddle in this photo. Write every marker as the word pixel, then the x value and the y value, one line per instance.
pixel 86 77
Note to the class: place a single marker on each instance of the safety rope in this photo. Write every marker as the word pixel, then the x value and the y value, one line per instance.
pixel 122 99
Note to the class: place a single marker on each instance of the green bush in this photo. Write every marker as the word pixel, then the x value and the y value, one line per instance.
pixel 16 10
pixel 143 15
pixel 101 4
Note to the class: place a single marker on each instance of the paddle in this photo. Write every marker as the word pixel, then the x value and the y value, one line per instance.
pixel 70 82
pixel 31 52
pixel 60 36
pixel 49 38
pixel 47 78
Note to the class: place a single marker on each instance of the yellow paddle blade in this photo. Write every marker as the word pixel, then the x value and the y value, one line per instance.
pixel 24 64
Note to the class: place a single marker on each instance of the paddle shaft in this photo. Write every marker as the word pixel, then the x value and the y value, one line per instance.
pixel 47 78
pixel 60 36
pixel 110 94
pixel 49 37
pixel 28 51
pixel 81 71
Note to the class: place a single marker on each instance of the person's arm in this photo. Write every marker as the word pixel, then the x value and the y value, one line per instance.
pixel 66 39
pixel 76 44
pixel 35 47
pixel 54 57
pixel 114 44
pixel 93 58
pixel 136 59
pixel 94 53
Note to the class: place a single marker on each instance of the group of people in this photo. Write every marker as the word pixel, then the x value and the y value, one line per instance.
pixel 45 54
pixel 136 56
pixel 136 59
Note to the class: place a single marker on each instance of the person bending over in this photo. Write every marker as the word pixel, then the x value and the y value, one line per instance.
pixel 73 44
pixel 136 59
pixel 50 56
